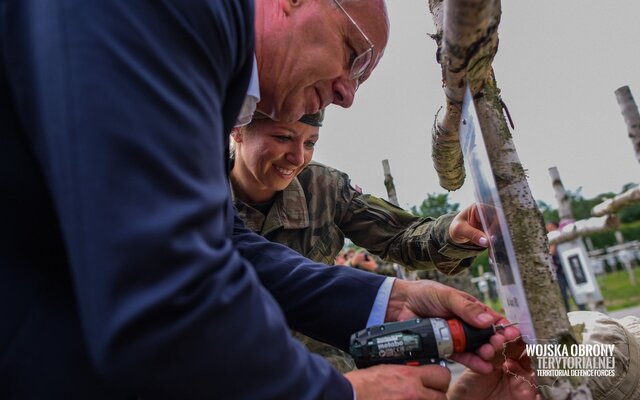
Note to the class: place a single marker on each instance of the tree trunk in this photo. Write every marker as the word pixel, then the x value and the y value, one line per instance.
pixel 465 52
pixel 631 116
pixel 402 271
pixel 528 234
pixel 570 232
pixel 564 206
pixel 611 206
pixel 388 183
pixel 470 28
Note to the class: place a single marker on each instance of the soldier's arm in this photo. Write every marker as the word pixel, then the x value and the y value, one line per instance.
pixel 401 237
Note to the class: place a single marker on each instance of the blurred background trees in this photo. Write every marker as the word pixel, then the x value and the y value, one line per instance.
pixel 435 205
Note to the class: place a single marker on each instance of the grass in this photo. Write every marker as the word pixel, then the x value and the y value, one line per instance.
pixel 618 292
pixel 616 289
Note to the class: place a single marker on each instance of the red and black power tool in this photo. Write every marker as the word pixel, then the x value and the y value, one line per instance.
pixel 417 341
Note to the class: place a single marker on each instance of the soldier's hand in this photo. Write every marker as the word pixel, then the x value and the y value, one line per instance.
pixel 466 227
pixel 361 260
pixel 424 298
pixel 357 259
pixel 391 382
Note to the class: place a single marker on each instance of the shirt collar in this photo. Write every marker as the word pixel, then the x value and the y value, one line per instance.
pixel 251 99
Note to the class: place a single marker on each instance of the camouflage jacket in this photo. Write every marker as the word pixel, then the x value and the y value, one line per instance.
pixel 319 208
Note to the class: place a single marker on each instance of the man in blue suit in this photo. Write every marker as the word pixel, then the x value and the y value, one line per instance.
pixel 124 272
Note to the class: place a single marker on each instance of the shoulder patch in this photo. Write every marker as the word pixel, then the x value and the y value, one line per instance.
pixel 357 188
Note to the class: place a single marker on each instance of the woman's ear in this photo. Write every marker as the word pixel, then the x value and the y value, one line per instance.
pixel 237 134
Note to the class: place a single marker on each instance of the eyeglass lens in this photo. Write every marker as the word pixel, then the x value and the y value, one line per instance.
pixel 361 62
pixel 360 65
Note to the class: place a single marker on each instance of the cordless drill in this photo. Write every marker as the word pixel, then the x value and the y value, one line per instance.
pixel 418 341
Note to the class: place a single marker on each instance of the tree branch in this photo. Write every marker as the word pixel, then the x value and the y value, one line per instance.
pixel 612 205
pixel 583 227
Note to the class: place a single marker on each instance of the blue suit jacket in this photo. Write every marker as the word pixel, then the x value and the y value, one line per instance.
pixel 123 270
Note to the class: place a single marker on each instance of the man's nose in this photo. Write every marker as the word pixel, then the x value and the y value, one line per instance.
pixel 344 92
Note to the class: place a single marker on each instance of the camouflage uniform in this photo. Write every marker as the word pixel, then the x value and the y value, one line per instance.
pixel 319 208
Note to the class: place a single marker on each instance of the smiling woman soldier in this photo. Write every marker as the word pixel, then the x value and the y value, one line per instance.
pixel 284 196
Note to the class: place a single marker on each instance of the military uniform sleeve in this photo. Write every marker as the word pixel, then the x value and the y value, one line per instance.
pixel 399 236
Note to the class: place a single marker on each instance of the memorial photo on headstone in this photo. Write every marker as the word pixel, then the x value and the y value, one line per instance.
pixel 577 270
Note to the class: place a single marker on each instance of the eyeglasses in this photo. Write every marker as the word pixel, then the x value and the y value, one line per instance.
pixel 360 63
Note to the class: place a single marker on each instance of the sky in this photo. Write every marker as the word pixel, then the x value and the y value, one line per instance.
pixel 558 65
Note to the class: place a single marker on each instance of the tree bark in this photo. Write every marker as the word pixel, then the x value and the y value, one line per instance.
pixel 388 183
pixel 528 234
pixel 402 271
pixel 564 206
pixel 612 205
pixel 631 116
pixel 467 41
pixel 577 229
pixel 570 230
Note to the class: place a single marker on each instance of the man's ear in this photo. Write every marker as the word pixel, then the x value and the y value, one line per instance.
pixel 290 6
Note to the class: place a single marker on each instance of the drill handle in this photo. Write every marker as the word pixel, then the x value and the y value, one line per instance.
pixel 476 337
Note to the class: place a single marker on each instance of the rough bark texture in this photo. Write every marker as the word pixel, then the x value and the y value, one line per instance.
pixel 564 206
pixel 403 272
pixel 583 227
pixel 388 183
pixel 610 206
pixel 570 232
pixel 526 226
pixel 631 116
pixel 467 42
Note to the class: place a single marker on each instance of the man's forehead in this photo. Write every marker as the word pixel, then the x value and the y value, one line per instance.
pixel 374 23
pixel 371 17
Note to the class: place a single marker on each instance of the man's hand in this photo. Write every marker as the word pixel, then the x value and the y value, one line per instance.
pixel 466 227
pixel 389 382
pixel 424 298
pixel 513 380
